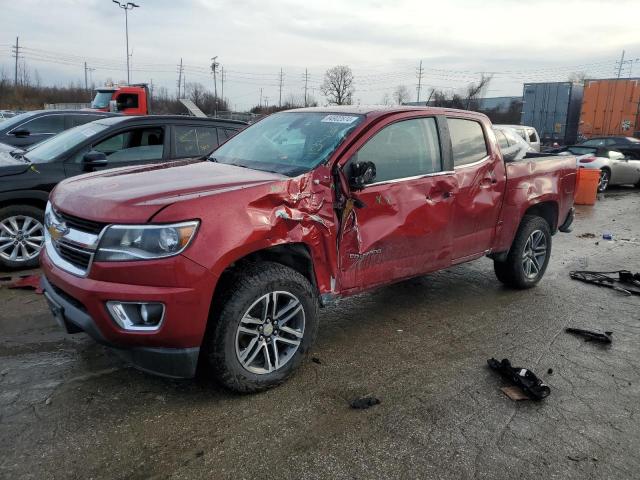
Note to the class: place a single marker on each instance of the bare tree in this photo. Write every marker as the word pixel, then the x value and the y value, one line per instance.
pixel 577 77
pixel 401 94
pixel 475 91
pixel 338 85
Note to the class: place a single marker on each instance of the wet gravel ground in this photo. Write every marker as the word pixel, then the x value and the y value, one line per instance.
pixel 70 409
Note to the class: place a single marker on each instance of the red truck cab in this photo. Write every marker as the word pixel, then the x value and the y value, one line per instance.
pixel 226 260
pixel 128 100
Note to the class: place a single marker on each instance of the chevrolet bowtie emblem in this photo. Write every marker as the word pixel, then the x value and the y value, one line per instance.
pixel 57 231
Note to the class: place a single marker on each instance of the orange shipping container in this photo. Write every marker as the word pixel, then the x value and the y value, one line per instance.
pixel 610 107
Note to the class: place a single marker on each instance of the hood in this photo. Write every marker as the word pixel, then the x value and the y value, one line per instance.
pixel 135 194
pixel 10 165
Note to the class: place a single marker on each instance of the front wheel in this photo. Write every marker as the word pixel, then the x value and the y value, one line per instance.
pixel 21 236
pixel 266 324
pixel 529 254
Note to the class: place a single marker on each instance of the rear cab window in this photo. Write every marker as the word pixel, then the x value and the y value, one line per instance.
pixel 468 143
pixel 44 124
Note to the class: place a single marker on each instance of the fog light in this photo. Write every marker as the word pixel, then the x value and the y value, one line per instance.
pixel 136 315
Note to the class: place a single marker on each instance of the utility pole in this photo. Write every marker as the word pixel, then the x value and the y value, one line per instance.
pixel 222 81
pixel 179 77
pixel 619 66
pixel 126 7
pixel 214 69
pixel 306 86
pixel 420 72
pixel 266 102
pixel 16 54
pixel 281 82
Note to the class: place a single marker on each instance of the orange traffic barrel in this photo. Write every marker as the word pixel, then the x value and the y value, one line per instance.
pixel 587 186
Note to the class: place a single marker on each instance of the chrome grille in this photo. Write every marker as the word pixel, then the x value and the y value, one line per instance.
pixel 71 242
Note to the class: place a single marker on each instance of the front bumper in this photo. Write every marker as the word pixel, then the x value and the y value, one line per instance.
pixel 79 305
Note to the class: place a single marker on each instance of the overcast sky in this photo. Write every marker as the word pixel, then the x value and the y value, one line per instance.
pixel 382 41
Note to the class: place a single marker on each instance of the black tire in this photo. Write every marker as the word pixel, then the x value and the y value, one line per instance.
pixel 605 179
pixel 20 211
pixel 512 272
pixel 253 283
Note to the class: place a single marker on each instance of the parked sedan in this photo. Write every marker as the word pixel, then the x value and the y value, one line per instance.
pixel 630 146
pixel 615 168
pixel 29 128
pixel 27 176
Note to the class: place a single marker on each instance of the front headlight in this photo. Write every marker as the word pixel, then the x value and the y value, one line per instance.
pixel 144 242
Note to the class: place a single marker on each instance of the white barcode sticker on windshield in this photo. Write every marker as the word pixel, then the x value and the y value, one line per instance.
pixel 339 119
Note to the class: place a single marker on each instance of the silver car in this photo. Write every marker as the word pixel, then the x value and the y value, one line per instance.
pixel 512 145
pixel 528 134
pixel 615 168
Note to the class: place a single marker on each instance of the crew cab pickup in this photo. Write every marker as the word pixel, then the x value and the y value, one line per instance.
pixel 225 260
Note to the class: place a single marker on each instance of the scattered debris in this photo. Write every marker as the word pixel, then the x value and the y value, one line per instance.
pixel 606 235
pixel 591 335
pixel 29 282
pixel 47 401
pixel 550 371
pixel 199 453
pixel 627 282
pixel 523 378
pixel 514 393
pixel 365 402
pixel 587 235
pixel 316 360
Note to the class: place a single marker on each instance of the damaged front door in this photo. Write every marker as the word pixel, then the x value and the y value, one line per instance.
pixel 400 225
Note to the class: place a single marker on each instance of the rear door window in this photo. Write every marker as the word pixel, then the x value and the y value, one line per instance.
pixel 467 141
pixel 194 141
pixel 140 144
pixel 403 149
pixel 44 124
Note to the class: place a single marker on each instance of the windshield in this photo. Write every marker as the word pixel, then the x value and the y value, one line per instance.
pixel 47 151
pixel 290 143
pixel 102 100
pixel 16 120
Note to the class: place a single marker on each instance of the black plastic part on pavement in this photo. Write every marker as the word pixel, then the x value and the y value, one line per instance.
pixel 566 226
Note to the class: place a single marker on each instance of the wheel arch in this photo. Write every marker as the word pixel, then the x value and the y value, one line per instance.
pixel 548 210
pixel 32 198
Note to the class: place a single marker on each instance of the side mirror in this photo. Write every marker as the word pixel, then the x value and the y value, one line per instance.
pixel 94 159
pixel 361 174
pixel 113 106
pixel 23 132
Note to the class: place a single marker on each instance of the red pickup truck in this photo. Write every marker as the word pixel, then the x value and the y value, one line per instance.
pixel 224 261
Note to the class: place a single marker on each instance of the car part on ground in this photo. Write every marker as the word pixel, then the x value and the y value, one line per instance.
pixel 590 335
pixel 524 378
pixel 626 282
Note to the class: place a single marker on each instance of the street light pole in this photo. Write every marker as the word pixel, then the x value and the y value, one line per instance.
pixel 126 7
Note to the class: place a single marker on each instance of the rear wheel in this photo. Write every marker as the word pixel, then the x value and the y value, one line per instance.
pixel 267 322
pixel 21 236
pixel 605 178
pixel 528 257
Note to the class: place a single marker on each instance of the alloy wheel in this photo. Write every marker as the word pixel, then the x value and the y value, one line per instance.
pixel 21 238
pixel 603 182
pixel 535 254
pixel 270 332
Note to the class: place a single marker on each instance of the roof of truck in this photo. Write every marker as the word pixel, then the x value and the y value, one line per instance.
pixel 373 110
